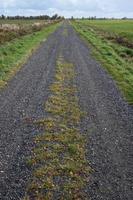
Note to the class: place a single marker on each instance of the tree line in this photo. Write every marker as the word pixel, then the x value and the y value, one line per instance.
pixel 100 18
pixel 40 17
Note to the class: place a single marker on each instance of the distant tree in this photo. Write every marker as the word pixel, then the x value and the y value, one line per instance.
pixel 3 17
pixel 46 17
pixel 124 18
pixel 72 17
pixel 54 17
pixel 40 17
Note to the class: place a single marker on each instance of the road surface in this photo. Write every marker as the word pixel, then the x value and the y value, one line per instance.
pixel 108 124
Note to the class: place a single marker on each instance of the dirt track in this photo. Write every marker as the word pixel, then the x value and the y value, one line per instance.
pixel 108 124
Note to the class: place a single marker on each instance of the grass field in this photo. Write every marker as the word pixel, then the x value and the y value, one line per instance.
pixel 14 53
pixel 114 28
pixel 116 57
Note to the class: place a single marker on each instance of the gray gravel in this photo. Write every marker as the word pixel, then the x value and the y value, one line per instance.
pixel 108 124
pixel 20 103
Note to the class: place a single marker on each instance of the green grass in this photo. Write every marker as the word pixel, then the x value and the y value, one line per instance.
pixel 123 28
pixel 59 158
pixel 16 52
pixel 117 59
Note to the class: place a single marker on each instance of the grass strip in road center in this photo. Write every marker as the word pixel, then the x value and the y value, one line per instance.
pixel 60 168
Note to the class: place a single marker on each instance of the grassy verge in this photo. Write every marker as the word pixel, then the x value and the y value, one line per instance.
pixel 15 53
pixel 60 168
pixel 119 31
pixel 115 58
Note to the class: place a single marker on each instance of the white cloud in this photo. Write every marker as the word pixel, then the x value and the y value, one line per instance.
pixel 110 8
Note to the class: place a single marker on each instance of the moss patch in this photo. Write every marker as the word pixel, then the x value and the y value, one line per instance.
pixel 65 32
pixel 60 168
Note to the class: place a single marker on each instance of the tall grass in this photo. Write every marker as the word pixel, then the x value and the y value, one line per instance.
pixel 10 31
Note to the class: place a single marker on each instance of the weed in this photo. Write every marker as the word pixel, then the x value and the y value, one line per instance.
pixel 59 158
pixel 65 32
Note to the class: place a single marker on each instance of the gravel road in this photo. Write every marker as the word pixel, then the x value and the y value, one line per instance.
pixel 108 124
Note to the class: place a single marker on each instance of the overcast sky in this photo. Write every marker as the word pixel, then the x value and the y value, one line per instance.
pixel 68 8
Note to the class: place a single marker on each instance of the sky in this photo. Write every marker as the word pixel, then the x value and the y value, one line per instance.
pixel 68 8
